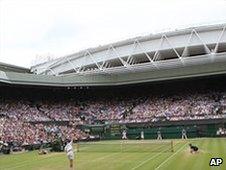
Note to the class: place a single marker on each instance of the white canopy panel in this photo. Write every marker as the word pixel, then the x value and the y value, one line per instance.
pixel 153 52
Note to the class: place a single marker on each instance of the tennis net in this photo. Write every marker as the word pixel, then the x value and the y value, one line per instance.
pixel 126 146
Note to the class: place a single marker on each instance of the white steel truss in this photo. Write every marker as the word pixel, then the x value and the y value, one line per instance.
pixel 128 62
pixel 194 34
pixel 219 39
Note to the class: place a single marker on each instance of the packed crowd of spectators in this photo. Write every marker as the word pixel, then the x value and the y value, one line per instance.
pixel 24 121
pixel 181 107
pixel 24 133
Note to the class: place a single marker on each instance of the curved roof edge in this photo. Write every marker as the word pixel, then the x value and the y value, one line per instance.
pixel 140 39
pixel 114 80
pixel 13 68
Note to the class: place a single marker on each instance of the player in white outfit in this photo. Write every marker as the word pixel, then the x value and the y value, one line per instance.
pixel 142 134
pixel 184 134
pixel 124 134
pixel 70 153
pixel 159 135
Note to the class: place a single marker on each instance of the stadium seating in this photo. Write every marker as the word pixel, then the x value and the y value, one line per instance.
pixel 29 122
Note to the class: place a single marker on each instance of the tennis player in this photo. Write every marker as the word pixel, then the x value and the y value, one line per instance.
pixel 70 153
pixel 193 148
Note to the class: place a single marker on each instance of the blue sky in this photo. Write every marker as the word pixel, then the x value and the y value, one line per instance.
pixel 31 29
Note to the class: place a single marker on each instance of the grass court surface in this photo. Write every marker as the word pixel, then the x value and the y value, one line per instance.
pixel 134 157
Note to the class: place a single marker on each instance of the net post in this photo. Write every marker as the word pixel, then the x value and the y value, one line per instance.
pixel 172 150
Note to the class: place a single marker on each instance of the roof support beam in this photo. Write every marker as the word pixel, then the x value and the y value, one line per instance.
pixel 92 58
pixel 219 39
pixel 124 63
pixel 100 67
pixel 76 69
pixel 53 72
pixel 194 33
pixel 146 54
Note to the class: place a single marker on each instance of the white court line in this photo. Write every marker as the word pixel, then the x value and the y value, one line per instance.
pixel 142 163
pixel 24 163
pixel 106 156
pixel 17 165
pixel 146 160
pixel 99 158
pixel 171 156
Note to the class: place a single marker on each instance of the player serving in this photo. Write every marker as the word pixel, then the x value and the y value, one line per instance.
pixel 70 153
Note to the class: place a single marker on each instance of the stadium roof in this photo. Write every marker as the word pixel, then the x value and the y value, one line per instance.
pixel 151 50
pixel 13 68
pixel 192 52
pixel 215 68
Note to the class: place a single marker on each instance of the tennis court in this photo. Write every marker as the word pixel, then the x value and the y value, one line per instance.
pixel 125 155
